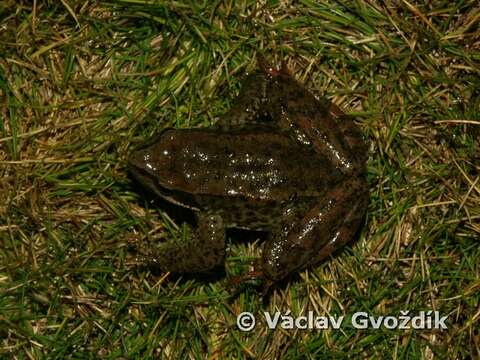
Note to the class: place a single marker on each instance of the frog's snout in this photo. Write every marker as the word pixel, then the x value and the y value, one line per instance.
pixel 156 160
pixel 140 159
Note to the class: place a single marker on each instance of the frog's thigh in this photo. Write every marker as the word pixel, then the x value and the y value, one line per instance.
pixel 204 250
pixel 325 228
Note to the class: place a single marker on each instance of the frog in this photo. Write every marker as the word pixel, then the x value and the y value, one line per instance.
pixel 281 160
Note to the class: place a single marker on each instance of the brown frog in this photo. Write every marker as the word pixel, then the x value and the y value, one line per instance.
pixel 281 160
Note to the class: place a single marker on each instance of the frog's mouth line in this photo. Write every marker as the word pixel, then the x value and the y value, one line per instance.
pixel 143 177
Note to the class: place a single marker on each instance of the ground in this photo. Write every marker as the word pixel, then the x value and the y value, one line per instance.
pixel 82 84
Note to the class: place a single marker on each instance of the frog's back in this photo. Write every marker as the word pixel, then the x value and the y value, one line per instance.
pixel 254 163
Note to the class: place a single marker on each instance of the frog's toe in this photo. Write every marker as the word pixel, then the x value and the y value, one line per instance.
pixel 267 285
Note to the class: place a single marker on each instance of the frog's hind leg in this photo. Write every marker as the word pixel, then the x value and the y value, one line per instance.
pixel 248 107
pixel 325 228
pixel 203 251
pixel 312 121
pixel 352 135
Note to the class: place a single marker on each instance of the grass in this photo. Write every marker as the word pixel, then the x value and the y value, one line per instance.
pixel 82 84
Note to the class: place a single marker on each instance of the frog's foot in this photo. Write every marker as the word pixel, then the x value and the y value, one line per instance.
pixel 250 106
pixel 251 275
pixel 325 228
pixel 236 281
pixel 202 252
pixel 271 69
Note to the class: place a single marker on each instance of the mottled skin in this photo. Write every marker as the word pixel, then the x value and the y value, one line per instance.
pixel 280 160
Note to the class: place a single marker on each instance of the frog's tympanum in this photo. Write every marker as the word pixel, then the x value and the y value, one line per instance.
pixel 280 160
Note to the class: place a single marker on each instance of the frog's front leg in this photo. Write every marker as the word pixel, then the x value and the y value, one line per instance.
pixel 325 228
pixel 204 250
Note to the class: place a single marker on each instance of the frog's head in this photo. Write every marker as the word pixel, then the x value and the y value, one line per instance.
pixel 153 166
